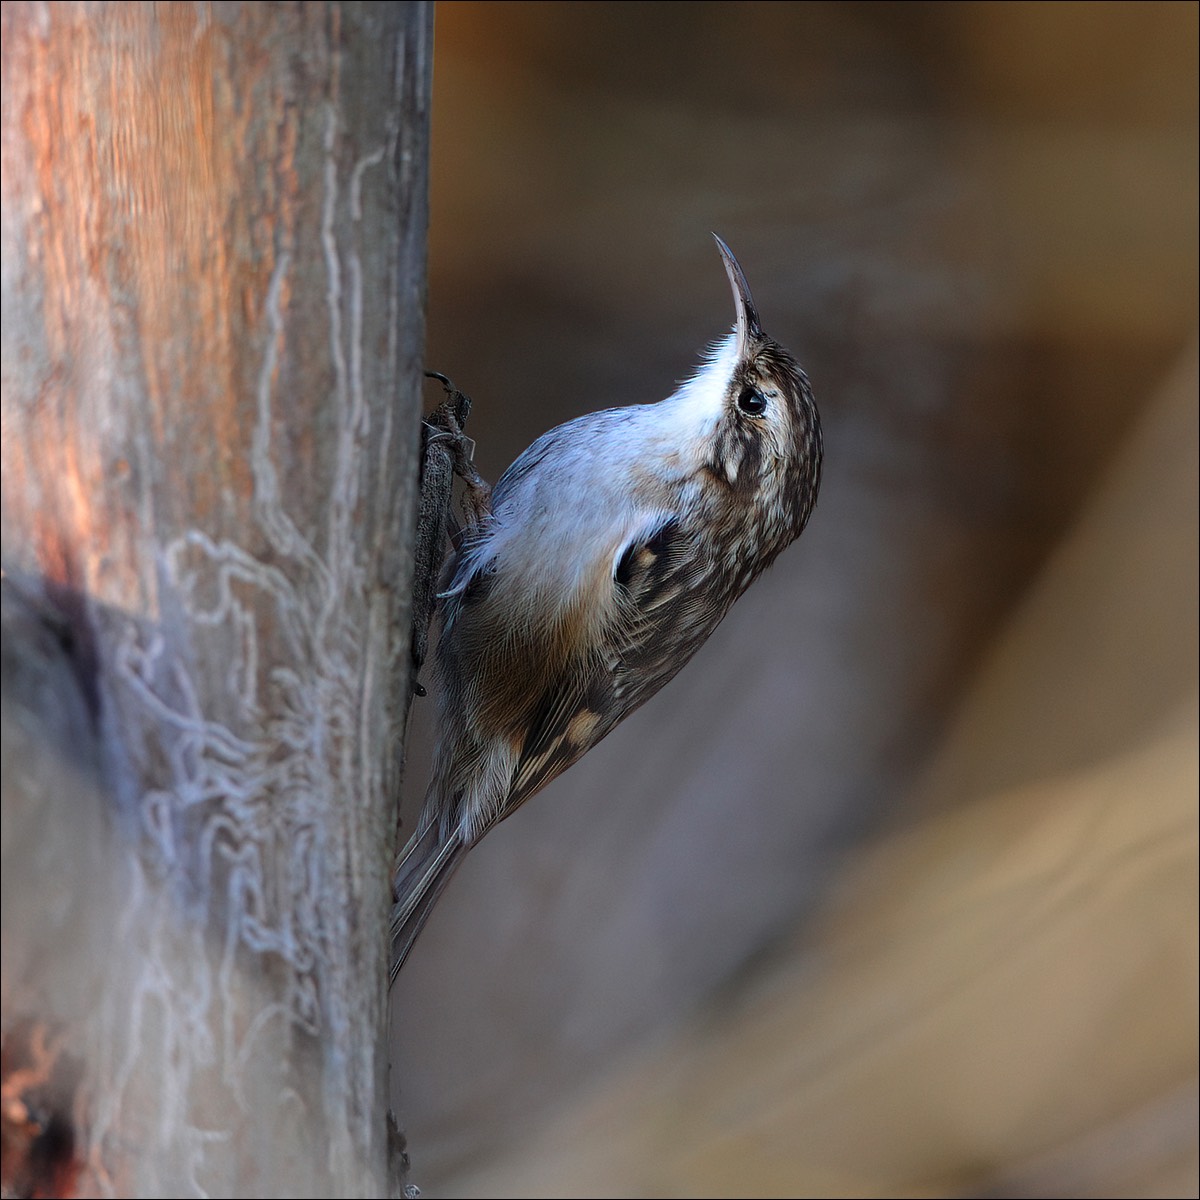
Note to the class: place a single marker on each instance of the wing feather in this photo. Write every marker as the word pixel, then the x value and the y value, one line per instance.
pixel 661 620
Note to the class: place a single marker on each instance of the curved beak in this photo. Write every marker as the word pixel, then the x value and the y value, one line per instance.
pixel 748 327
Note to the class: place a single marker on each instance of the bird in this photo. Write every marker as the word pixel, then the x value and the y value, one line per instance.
pixel 609 552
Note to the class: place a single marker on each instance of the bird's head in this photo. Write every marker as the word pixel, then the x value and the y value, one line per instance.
pixel 751 418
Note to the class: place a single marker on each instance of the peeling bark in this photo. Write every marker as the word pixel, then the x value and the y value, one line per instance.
pixel 214 259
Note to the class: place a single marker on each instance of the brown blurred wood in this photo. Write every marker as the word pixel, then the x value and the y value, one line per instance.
pixel 214 226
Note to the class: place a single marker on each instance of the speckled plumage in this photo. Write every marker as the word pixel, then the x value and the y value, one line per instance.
pixel 615 545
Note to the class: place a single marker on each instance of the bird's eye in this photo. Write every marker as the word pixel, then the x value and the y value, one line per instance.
pixel 752 401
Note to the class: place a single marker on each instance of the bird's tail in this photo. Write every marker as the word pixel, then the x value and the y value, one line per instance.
pixel 424 869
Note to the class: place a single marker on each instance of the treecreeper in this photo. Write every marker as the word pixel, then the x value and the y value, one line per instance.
pixel 601 562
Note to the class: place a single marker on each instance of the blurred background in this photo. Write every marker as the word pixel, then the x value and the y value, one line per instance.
pixel 893 891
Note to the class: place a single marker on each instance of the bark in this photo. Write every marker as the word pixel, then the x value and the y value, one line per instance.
pixel 214 229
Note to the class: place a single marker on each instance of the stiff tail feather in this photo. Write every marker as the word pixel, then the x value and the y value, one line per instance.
pixel 422 873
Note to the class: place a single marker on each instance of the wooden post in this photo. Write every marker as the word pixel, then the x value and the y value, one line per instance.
pixel 214 229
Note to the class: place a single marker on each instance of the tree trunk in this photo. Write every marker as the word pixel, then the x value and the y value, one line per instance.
pixel 214 262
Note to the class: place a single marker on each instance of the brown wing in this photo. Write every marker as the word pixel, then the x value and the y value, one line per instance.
pixel 667 611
